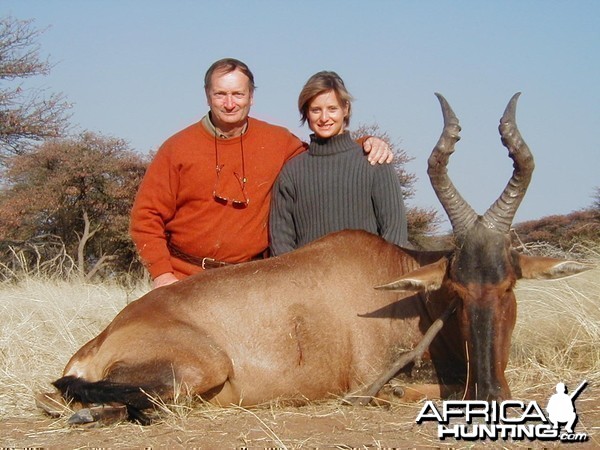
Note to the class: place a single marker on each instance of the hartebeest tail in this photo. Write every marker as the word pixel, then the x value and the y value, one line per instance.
pixel 106 392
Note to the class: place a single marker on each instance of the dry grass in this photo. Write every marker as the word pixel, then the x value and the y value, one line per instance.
pixel 557 335
pixel 42 323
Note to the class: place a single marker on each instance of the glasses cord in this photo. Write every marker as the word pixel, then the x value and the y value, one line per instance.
pixel 243 177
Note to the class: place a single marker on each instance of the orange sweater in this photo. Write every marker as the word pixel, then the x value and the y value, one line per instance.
pixel 176 196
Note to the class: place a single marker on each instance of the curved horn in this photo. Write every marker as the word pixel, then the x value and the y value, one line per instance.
pixel 501 214
pixel 459 212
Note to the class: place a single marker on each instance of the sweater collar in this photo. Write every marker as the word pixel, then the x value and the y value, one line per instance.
pixel 208 124
pixel 330 146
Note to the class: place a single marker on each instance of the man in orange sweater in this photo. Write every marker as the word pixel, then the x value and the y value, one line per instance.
pixel 204 201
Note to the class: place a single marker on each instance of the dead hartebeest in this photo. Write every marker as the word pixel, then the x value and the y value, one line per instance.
pixel 309 325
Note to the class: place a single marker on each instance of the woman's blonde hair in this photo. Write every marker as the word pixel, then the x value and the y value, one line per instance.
pixel 319 83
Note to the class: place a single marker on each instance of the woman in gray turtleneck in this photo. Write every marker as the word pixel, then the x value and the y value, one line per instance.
pixel 333 187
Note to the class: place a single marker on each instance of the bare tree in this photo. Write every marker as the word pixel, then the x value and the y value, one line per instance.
pixel 27 114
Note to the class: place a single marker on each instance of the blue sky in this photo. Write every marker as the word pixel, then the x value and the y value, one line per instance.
pixel 133 69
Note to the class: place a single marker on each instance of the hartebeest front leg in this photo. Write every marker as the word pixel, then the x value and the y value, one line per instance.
pixel 367 394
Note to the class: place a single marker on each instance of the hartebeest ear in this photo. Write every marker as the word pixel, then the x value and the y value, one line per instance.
pixel 426 278
pixel 540 267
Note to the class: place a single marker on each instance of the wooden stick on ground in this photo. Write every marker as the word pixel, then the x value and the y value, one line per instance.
pixel 364 396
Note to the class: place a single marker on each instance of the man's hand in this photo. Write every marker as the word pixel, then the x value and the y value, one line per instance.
pixel 378 151
pixel 164 280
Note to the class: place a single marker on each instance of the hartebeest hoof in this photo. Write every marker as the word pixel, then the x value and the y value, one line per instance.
pixel 52 403
pixel 384 397
pixel 100 415
pixel 83 416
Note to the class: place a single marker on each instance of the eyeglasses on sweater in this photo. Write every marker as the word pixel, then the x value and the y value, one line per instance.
pixel 236 203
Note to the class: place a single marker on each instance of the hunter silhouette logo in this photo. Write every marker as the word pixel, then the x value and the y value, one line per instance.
pixel 561 406
pixel 511 419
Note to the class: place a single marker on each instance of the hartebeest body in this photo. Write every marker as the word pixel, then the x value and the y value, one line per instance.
pixel 308 324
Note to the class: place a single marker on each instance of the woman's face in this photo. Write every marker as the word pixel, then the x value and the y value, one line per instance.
pixel 326 115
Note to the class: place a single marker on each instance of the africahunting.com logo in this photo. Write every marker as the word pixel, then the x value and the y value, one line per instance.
pixel 511 419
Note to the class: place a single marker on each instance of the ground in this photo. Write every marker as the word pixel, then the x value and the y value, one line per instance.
pixel 324 425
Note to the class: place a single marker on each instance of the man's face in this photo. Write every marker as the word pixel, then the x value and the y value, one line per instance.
pixel 229 99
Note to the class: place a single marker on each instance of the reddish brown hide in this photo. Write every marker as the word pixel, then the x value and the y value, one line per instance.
pixel 309 325
pixel 302 326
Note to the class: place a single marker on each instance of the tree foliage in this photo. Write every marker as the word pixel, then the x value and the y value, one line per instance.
pixel 421 221
pixel 27 114
pixel 79 189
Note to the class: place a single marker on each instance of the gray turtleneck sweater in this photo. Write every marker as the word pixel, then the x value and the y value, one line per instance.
pixel 333 187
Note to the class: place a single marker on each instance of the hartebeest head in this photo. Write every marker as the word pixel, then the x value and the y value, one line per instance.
pixel 482 270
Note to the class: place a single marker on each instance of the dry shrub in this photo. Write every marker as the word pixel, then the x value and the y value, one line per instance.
pixel 562 231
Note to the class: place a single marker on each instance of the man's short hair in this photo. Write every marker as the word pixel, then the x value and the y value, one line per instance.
pixel 227 65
